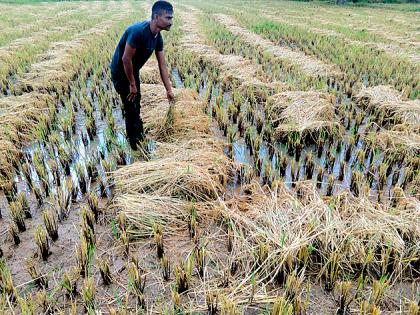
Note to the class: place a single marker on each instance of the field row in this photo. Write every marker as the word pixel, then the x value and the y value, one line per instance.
pixel 20 57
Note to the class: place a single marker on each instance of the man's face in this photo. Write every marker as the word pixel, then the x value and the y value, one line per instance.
pixel 164 21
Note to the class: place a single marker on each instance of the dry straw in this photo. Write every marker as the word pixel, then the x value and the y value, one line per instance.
pixel 149 73
pixel 184 120
pixel 344 225
pixel 400 138
pixel 304 112
pixel 387 99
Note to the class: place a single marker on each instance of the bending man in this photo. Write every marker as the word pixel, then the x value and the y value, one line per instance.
pixel 134 49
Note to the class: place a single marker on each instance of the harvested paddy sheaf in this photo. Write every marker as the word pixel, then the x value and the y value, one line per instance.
pixel 166 123
pixel 386 99
pixel 189 175
pixel 307 233
pixel 308 65
pixel 308 113
pixel 149 73
pixel 402 140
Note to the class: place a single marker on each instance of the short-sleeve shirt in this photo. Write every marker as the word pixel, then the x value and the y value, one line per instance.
pixel 140 37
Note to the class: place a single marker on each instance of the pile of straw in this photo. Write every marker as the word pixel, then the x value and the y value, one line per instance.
pixel 192 174
pixel 348 226
pixel 184 119
pixel 386 98
pixel 149 73
pixel 300 111
pixel 401 139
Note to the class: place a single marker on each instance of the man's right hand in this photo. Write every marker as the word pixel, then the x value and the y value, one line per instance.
pixel 133 93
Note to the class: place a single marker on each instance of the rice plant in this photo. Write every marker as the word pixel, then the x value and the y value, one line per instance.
pixel 23 200
pixel 14 233
pixel 51 224
pixel 332 271
pixel 166 267
pixel 88 294
pixel 212 302
pixel 69 282
pixel 105 271
pixel 88 225
pixel 137 283
pixel 158 236
pixel 40 280
pixel 41 240
pixel 84 255
pixel 6 282
pixel 18 215
pixel 183 274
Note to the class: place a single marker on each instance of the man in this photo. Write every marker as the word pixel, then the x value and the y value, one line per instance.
pixel 134 49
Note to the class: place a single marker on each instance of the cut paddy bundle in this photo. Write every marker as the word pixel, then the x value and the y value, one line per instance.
pixel 277 218
pixel 401 139
pixel 144 211
pixel 184 119
pixel 170 178
pixel 190 172
pixel 149 73
pixel 386 100
pixel 308 113
pixel 377 94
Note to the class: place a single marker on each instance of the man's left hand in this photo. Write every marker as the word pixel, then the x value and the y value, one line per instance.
pixel 170 95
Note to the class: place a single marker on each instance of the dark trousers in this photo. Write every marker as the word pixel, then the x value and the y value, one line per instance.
pixel 133 121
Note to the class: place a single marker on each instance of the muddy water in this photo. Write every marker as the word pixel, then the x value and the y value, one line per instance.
pixel 241 153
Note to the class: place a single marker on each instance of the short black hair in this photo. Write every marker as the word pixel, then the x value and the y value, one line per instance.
pixel 161 6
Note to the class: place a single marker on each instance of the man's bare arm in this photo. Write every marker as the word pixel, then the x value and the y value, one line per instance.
pixel 164 75
pixel 127 59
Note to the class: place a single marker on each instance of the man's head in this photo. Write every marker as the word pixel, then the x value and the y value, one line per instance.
pixel 162 14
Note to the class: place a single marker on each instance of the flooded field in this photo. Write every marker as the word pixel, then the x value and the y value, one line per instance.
pixel 285 173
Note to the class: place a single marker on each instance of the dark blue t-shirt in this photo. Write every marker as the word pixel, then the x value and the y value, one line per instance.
pixel 138 36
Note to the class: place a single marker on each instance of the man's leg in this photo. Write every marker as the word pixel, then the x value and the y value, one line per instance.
pixel 133 122
pixel 131 113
